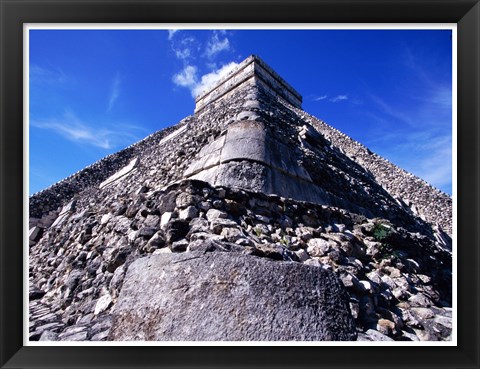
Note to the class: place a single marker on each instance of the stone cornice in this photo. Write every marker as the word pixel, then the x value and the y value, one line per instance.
pixel 252 67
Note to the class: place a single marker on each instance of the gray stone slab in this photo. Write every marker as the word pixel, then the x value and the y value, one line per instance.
pixel 252 104
pixel 61 218
pixel 248 175
pixel 54 327
pixel 213 146
pixel 173 134
pixel 34 233
pixel 245 148
pixel 81 336
pixel 202 163
pixel 70 207
pixel 245 129
pixel 128 169
pixel 102 336
pixel 228 296
pixel 211 159
pixel 301 172
pixel 208 156
pixel 48 336
pixel 208 175
pixel 281 157
pixel 195 167
pixel 247 115
pixel 292 187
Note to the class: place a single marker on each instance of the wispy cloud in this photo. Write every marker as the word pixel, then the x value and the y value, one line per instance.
pixel 440 97
pixel 74 129
pixel 217 44
pixel 115 92
pixel 437 84
pixel 188 40
pixel 425 153
pixel 339 98
pixel 422 146
pixel 198 56
pixel 334 99
pixel 437 168
pixel 433 156
pixel 415 127
pixel 411 61
pixel 183 53
pixel 188 78
pixel 38 74
pixel 171 32
pixel 183 47
pixel 392 111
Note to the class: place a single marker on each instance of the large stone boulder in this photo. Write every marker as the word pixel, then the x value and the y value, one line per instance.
pixel 229 297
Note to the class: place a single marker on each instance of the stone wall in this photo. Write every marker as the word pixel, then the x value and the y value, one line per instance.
pixel 249 143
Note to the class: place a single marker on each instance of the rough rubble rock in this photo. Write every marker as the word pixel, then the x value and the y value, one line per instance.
pixel 388 284
pixel 220 296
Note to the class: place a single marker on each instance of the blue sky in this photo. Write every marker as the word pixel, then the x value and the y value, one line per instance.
pixel 94 92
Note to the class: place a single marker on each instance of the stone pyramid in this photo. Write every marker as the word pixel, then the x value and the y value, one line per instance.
pixel 249 220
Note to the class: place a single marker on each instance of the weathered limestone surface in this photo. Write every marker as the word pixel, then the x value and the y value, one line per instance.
pixel 229 297
pixel 127 170
pixel 271 165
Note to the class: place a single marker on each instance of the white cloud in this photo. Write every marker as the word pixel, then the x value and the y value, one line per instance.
pixel 216 45
pixel 73 129
pixel 115 92
pixel 188 40
pixel 332 99
pixel 182 53
pixel 171 32
pixel 209 79
pixel 339 98
pixel 188 78
pixel 183 47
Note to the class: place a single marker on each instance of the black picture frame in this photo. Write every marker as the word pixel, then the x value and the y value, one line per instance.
pixel 14 13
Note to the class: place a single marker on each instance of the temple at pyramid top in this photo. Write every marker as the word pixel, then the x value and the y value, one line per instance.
pixel 251 68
